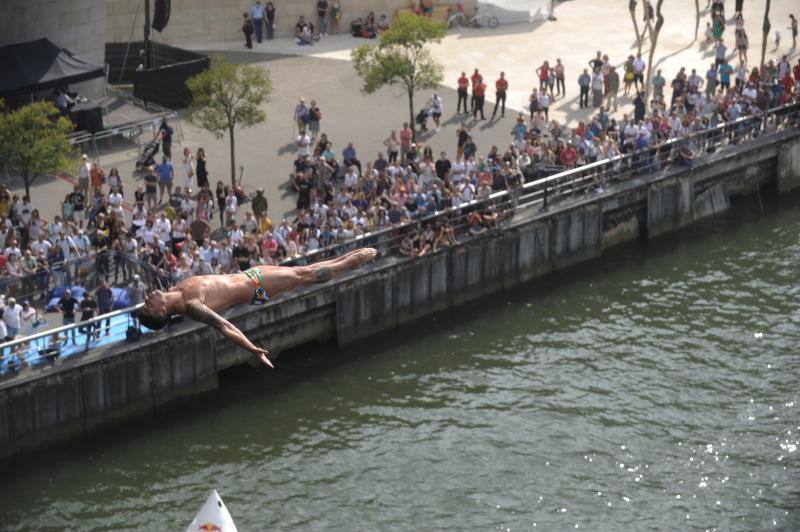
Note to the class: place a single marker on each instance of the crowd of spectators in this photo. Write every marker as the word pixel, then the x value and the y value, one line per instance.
pixel 173 224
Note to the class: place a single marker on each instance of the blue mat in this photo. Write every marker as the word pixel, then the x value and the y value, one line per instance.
pixel 33 355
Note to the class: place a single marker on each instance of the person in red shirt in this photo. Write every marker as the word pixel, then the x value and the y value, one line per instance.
pixel 568 156
pixel 501 86
pixel 405 141
pixel 796 71
pixel 463 85
pixel 543 72
pixel 475 78
pixel 478 96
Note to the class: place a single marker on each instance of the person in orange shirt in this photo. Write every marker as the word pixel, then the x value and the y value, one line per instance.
pixel 478 96
pixel 501 86
pixel 96 177
pixel 463 85
pixel 474 78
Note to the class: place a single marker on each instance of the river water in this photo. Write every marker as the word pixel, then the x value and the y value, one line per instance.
pixel 655 388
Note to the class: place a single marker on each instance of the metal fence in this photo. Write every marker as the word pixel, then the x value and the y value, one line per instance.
pixel 495 210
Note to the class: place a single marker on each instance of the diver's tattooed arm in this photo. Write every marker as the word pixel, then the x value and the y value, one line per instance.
pixel 198 311
pixel 323 275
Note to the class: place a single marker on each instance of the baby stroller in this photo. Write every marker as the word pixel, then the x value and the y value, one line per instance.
pixel 422 119
pixel 148 156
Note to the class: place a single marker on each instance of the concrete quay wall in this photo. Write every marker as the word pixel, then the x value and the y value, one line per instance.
pixel 78 397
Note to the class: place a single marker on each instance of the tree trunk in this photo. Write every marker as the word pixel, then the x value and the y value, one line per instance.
pixel 632 9
pixel 28 181
pixel 653 42
pixel 412 122
pixel 696 18
pixel 233 157
pixel 766 34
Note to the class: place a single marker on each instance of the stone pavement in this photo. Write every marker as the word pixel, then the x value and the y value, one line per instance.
pixel 323 72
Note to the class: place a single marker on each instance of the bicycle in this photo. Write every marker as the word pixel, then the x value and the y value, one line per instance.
pixel 461 18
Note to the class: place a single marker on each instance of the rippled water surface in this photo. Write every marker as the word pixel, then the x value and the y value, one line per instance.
pixel 656 388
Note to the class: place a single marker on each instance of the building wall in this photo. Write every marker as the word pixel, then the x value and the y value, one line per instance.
pixel 221 20
pixel 76 25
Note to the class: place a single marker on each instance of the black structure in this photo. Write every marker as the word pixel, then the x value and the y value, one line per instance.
pixel 161 15
pixel 40 65
pixel 164 83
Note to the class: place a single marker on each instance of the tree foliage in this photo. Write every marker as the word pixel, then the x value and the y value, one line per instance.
pixel 226 96
pixel 401 58
pixel 34 141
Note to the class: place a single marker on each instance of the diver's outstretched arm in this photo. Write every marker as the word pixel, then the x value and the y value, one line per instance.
pixel 198 311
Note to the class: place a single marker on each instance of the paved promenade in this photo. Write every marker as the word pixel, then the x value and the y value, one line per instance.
pixel 323 72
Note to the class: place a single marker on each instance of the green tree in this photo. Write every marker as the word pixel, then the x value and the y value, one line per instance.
pixel 401 58
pixel 34 141
pixel 226 96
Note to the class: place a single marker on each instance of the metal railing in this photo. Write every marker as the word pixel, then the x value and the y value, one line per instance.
pixel 87 271
pixel 130 130
pixel 570 183
pixel 544 191
pixel 48 346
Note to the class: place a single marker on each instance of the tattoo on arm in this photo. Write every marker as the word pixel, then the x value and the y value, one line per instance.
pixel 199 312
pixel 323 275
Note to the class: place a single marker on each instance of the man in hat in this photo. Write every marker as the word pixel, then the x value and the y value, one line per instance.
pixel 301 114
pixel 202 296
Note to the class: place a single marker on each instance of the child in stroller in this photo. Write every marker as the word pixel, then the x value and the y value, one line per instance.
pixel 147 157
pixel 422 118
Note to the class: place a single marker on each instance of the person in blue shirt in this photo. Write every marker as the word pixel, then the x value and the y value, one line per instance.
pixel 725 71
pixel 166 175
pixel 349 155
pixel 257 14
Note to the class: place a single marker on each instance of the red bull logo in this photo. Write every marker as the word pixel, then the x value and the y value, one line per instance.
pixel 209 527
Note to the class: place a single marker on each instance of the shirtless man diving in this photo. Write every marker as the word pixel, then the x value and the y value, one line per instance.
pixel 202 296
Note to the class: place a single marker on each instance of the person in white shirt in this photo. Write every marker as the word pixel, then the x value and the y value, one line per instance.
pixel 187 167
pixel 13 249
pixel 188 206
pixel 231 204
pixel 25 210
pixel 236 235
pixel 458 171
pixel 41 245
pixel 115 200
pixel 30 319
pixel 303 143
pixel 12 316
pixel 146 232
pixel 351 177
pixel 638 71
pixel 437 109
pixel 163 228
